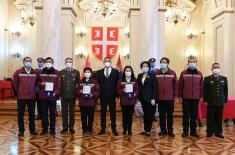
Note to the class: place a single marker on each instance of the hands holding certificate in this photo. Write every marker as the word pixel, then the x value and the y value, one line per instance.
pixel 49 89
pixel 86 91
pixel 129 90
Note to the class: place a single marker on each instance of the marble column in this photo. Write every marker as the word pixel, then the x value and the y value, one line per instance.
pixel 51 31
pixel 148 45
pixel 3 38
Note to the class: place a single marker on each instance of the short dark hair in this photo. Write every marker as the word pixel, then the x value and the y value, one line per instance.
pixel 144 62
pixel 68 59
pixel 26 58
pixel 165 58
pixel 49 58
pixel 192 57
pixel 87 68
pixel 216 63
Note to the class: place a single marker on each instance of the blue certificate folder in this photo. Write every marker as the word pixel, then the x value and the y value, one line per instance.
pixel 48 93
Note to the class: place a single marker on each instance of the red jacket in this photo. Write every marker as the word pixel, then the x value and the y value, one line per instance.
pixel 54 77
pixel 95 92
pixel 124 99
pixel 24 84
pixel 191 84
pixel 167 85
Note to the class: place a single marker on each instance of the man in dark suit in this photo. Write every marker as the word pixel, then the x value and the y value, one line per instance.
pixel 215 96
pixel 107 79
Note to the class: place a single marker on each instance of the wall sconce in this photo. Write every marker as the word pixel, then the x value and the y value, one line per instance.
pixel 81 32
pixel 16 30
pixel 17 51
pixel 126 53
pixel 81 52
pixel 126 31
pixel 193 34
pixel 191 52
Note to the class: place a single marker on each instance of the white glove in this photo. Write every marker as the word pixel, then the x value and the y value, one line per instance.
pixel 153 102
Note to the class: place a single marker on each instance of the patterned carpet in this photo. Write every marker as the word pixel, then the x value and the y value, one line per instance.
pixel 110 145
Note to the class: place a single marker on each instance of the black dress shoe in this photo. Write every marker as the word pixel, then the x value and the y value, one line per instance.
pixel 63 131
pixel 129 132
pixel 115 133
pixel 52 133
pixel 72 131
pixel 162 133
pixel 148 134
pixel 34 133
pixel 21 134
pixel 171 134
pixel 184 134
pixel 219 135
pixel 101 132
pixel 124 132
pixel 44 133
pixel 209 135
pixel 143 133
pixel 195 135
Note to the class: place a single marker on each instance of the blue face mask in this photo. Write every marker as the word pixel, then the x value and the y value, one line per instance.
pixel 152 65
pixel 40 65
pixel 145 69
pixel 192 65
pixel 28 64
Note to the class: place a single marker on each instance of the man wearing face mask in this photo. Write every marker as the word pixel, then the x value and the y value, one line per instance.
pixel 167 91
pixel 41 62
pixel 190 93
pixel 215 97
pixel 107 79
pixel 152 72
pixel 50 83
pixel 24 82
pixel 69 80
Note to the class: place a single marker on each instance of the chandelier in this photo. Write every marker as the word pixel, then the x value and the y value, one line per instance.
pixel 105 8
pixel 27 14
pixel 175 13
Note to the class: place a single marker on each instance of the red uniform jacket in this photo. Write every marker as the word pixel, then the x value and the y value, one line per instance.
pixel 191 84
pixel 124 99
pixel 25 84
pixel 167 85
pixel 95 92
pixel 52 76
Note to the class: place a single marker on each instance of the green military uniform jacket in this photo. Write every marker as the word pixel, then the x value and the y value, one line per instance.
pixel 215 90
pixel 69 81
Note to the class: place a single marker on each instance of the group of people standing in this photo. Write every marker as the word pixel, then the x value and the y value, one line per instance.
pixel 46 86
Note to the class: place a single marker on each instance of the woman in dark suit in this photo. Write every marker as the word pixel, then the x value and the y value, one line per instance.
pixel 128 91
pixel 147 96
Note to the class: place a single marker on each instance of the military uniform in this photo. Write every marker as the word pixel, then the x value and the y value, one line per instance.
pixel 216 95
pixel 69 81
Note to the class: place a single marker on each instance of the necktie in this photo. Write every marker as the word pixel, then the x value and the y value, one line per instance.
pixel 107 73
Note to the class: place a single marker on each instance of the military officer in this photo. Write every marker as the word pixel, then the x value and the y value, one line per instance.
pixel 69 80
pixel 215 97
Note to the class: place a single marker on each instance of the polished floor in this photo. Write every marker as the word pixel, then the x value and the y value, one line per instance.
pixel 111 145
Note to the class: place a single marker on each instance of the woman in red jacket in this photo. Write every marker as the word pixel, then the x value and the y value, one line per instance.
pixel 88 92
pixel 128 90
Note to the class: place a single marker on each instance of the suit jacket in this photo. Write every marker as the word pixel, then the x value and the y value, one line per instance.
pixel 215 90
pixel 108 86
pixel 147 91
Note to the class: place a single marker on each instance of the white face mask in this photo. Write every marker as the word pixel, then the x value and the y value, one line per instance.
pixel 216 70
pixel 107 64
pixel 128 74
pixel 164 66
pixel 87 75
pixel 69 65
pixel 48 65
